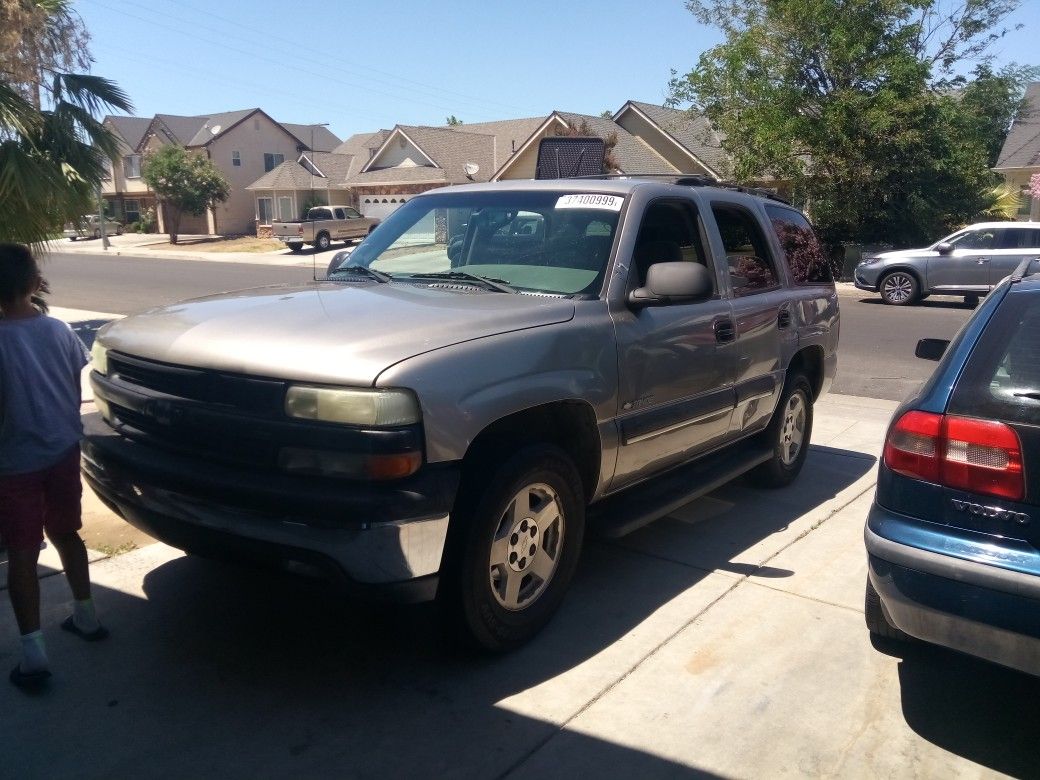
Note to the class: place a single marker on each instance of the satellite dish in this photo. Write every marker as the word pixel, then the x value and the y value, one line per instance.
pixel 471 169
pixel 215 129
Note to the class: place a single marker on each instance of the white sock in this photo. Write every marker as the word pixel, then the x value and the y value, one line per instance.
pixel 84 617
pixel 34 654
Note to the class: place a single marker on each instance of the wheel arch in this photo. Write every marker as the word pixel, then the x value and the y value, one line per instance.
pixel 569 424
pixel 809 360
pixel 914 272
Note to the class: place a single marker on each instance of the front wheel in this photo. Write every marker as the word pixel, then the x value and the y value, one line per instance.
pixel 520 545
pixel 789 432
pixel 899 288
pixel 323 242
pixel 97 234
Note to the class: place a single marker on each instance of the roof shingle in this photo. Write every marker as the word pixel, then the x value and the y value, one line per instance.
pixel 1022 145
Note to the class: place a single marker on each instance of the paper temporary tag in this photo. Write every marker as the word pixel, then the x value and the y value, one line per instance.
pixel 591 201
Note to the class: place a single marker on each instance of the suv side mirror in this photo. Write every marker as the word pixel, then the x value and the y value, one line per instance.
pixel 944 248
pixel 680 282
pixel 931 349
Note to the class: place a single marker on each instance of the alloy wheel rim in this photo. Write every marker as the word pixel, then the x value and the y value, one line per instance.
pixel 898 287
pixel 526 548
pixel 792 434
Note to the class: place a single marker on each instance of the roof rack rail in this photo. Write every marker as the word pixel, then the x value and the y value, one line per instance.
pixel 691 180
pixel 1022 271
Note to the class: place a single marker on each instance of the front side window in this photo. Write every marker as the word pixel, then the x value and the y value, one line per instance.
pixel 533 241
pixel 974 239
pixel 669 233
pixel 751 269
pixel 272 160
pixel 801 248
pixel 352 214
pixel 132 166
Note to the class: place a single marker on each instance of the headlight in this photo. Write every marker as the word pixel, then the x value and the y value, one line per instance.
pixel 99 357
pixel 377 408
pixel 870 260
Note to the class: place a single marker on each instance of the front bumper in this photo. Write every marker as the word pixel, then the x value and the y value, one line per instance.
pixel 976 608
pixel 865 280
pixel 385 539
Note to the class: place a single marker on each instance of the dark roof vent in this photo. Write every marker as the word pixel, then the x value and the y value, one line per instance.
pixel 562 157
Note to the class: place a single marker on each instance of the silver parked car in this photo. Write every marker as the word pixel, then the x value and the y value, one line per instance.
pixel 970 262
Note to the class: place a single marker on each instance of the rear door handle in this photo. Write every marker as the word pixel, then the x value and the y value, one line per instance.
pixel 725 331
pixel 982 261
pixel 783 318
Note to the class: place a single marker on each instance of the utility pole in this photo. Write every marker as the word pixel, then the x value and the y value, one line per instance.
pixel 101 219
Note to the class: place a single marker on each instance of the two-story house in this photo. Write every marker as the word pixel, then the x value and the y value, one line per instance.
pixel 243 145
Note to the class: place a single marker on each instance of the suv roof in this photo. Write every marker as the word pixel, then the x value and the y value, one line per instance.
pixel 621 184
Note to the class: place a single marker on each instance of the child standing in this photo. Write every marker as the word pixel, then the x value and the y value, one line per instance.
pixel 40 363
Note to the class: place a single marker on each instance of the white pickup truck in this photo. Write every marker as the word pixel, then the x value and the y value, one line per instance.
pixel 323 225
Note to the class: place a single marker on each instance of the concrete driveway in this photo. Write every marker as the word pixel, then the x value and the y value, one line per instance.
pixel 726 640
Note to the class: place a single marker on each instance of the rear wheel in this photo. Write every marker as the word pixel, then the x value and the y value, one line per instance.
pixel 294 246
pixel 517 548
pixel 899 288
pixel 789 432
pixel 323 242
pixel 97 234
pixel 877 623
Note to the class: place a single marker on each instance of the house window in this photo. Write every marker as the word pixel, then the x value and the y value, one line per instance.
pixel 236 159
pixel 272 160
pixel 132 166
pixel 107 175
pixel 132 210
pixel 264 210
pixel 285 209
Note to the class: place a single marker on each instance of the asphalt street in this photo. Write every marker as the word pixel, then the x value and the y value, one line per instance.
pixel 876 354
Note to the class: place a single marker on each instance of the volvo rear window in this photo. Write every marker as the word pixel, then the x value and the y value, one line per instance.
pixel 1001 380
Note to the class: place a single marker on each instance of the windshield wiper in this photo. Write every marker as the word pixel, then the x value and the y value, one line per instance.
pixel 371 273
pixel 501 285
pixel 1034 394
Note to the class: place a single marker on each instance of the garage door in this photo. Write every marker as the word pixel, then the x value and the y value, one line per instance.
pixel 380 206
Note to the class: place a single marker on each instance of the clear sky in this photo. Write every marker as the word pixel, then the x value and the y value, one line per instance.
pixel 361 66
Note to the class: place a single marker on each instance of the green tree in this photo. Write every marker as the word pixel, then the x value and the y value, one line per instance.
pixel 453 121
pixel 52 160
pixel 860 105
pixel 183 182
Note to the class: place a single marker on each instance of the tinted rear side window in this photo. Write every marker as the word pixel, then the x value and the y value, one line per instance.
pixel 751 269
pixel 1020 238
pixel 801 248
pixel 1002 378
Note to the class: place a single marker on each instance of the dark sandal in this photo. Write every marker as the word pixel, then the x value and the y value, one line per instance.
pixel 29 681
pixel 69 624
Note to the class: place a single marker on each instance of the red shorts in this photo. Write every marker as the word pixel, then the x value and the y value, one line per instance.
pixel 49 499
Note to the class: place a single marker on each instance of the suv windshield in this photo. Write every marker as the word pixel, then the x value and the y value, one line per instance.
pixel 544 241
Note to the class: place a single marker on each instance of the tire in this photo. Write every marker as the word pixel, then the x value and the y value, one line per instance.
pixel 789 433
pixel 294 246
pixel 971 300
pixel 119 230
pixel 322 242
pixel 97 233
pixel 877 623
pixel 491 549
pixel 73 238
pixel 899 288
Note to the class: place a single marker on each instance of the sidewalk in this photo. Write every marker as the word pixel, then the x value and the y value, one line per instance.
pixel 724 640
pixel 144 245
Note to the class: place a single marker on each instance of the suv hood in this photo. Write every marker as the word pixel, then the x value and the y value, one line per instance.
pixel 903 254
pixel 333 333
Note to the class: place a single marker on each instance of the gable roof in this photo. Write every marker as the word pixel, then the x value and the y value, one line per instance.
pixel 447 149
pixel 691 131
pixel 1022 145
pixel 217 125
pixel 324 140
pixel 290 175
pixel 130 129
pixel 633 155
pixel 509 135
pixel 335 167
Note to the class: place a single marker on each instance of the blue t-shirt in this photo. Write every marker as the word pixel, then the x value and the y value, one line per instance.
pixel 40 364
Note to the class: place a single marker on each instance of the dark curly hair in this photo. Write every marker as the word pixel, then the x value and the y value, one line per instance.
pixel 20 274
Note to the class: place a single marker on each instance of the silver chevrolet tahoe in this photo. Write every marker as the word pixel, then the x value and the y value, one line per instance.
pixel 496 367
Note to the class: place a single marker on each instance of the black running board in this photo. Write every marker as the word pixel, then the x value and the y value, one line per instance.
pixel 640 505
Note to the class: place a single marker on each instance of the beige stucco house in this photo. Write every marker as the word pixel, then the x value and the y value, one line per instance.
pixel 380 171
pixel 244 145
pixel 1020 158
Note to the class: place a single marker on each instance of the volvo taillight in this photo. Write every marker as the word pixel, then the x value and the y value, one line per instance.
pixel 980 456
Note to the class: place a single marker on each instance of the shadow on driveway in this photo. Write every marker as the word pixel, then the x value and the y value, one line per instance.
pixel 246 672
pixel 980 711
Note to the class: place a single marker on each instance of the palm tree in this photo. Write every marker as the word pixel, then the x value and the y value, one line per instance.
pixel 52 159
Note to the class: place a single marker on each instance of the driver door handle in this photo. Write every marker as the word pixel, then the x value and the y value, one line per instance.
pixel 982 261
